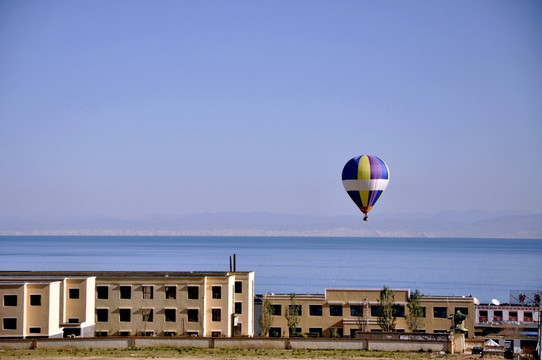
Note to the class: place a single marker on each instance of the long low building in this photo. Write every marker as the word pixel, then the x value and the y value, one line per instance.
pixel 60 304
pixel 343 312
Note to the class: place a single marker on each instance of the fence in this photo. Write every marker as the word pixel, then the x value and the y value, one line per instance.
pixel 374 343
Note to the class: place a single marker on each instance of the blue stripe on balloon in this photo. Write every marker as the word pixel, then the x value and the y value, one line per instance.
pixel 350 170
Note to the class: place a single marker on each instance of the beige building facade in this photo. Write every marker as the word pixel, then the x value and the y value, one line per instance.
pixel 126 303
pixel 343 312
pixel 40 305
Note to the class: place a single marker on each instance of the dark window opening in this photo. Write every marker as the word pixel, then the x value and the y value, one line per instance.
pixel 356 310
pixel 217 292
pixel 336 310
pixel 193 315
pixel 238 307
pixel 216 314
pixel 10 323
pixel 439 312
pixel 238 287
pixel 193 292
pixel 125 292
pixel 125 315
pixel 10 300
pixel 74 293
pixel 295 310
pixel 315 310
pixel 277 309
pixel 35 300
pixel 103 292
pixel 102 315
pixel 171 315
pixel 171 292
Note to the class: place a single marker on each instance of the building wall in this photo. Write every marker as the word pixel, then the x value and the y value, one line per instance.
pixel 346 320
pixel 173 311
pixel 12 310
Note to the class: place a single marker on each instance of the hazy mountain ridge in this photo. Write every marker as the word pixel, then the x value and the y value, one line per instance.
pixel 444 224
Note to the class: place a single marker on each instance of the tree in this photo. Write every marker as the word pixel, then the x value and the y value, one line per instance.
pixel 414 318
pixel 293 313
pixel 266 318
pixel 386 317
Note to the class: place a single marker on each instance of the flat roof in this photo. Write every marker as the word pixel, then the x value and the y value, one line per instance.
pixel 33 274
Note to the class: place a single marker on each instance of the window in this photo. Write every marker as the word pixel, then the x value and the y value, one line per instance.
pixel 356 310
pixel 171 315
pixel 335 310
pixel 335 332
pixel 148 333
pixel 193 315
pixel 101 333
pixel 147 315
pixel 376 310
pixel 295 310
pixel 294 332
pixel 277 309
pixel 10 323
pixel 513 316
pixel 464 310
pixel 169 333
pixel 125 333
pixel 102 315
pixel 399 310
pixel 125 315
pixel 125 292
pixel 35 299
pixel 193 292
pixel 148 291
pixel 497 315
pixel 10 300
pixel 34 330
pixel 423 311
pixel 216 333
pixel 439 312
pixel 315 310
pixel 74 293
pixel 73 320
pixel 216 314
pixel 315 332
pixel 483 316
pixel 238 307
pixel 238 287
pixel 528 316
pixel 171 291
pixel 217 292
pixel 103 292
pixel 275 332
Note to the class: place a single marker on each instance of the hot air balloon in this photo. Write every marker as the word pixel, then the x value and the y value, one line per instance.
pixel 365 178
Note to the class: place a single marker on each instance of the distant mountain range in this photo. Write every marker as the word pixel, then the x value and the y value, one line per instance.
pixel 476 224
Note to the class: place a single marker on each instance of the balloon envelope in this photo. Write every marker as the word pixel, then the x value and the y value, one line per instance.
pixel 365 178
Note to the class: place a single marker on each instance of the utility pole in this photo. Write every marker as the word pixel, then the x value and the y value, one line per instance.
pixel 539 330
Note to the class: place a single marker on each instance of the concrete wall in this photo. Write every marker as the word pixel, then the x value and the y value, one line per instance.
pixel 227 343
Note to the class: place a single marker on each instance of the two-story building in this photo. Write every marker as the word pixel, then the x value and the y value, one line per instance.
pixel 343 312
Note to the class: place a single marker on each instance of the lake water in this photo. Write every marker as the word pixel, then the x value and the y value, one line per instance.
pixel 484 268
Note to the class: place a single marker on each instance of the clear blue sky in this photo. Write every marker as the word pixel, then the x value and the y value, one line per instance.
pixel 130 108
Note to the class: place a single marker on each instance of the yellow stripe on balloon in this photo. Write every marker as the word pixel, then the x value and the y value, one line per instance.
pixel 364 173
pixel 364 168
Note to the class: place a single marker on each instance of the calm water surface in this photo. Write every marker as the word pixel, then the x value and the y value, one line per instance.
pixel 485 268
